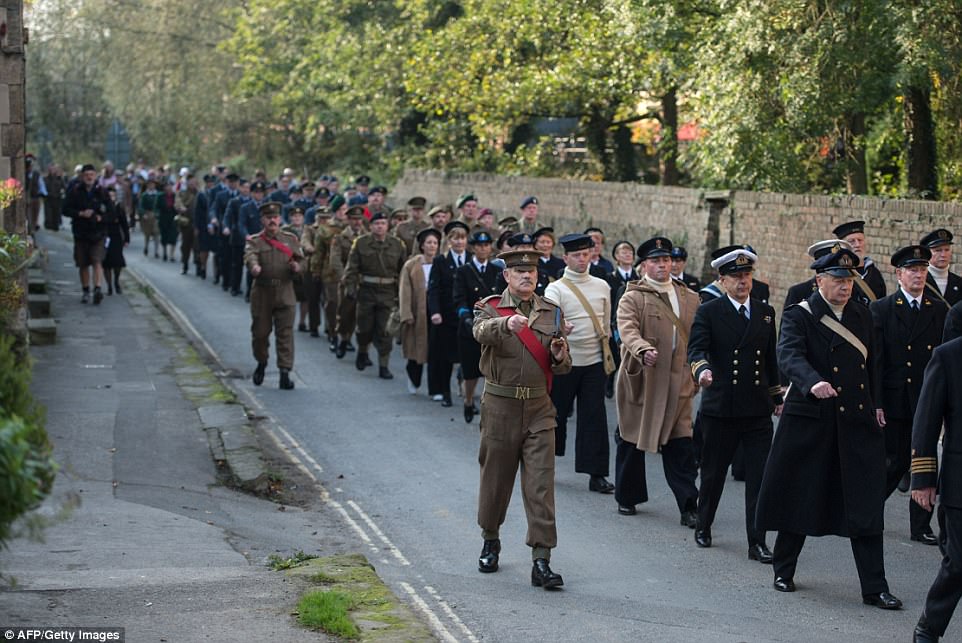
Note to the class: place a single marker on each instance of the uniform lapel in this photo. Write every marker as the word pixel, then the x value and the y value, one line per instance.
pixel 903 312
pixel 923 318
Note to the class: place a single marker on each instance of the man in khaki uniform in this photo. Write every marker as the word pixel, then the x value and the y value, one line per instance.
pixel 522 347
pixel 346 303
pixel 273 258
pixel 373 266
pixel 316 243
pixel 408 231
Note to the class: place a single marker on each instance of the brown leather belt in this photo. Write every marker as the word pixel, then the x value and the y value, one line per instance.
pixel 381 281
pixel 516 392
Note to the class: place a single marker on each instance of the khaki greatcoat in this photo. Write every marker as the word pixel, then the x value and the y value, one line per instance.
pixel 413 308
pixel 654 403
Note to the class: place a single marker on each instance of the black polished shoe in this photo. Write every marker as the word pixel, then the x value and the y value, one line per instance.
pixel 923 633
pixel 286 384
pixel 341 349
pixel 446 402
pixel 314 333
pixel 468 413
pixel 882 600
pixel 761 553
pixel 488 561
pixel 542 576
pixel 360 362
pixel 600 484
pixel 117 287
pixel 98 296
pixel 783 584
pixel 703 537
pixel 926 538
pixel 302 328
pixel 350 347
pixel 258 376
pixel 689 518
pixel 384 373
pixel 627 510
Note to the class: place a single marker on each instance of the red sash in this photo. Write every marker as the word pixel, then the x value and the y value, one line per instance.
pixel 530 341
pixel 280 246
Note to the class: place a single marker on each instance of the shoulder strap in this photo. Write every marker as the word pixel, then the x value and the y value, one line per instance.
pixel 935 291
pixel 836 327
pixel 530 341
pixel 682 332
pixel 586 305
pixel 864 287
pixel 277 245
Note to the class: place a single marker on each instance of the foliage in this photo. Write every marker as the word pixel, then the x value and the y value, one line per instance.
pixel 15 254
pixel 328 610
pixel 278 563
pixel 26 465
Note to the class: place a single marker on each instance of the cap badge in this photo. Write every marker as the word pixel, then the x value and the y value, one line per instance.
pixel 741 260
pixel 943 234
pixel 836 248
pixel 918 253
pixel 658 243
pixel 524 259
pixel 845 261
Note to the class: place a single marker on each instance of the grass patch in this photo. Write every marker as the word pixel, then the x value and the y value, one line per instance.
pixel 328 611
pixel 277 563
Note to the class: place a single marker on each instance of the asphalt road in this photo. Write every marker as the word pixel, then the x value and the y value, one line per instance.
pixel 405 471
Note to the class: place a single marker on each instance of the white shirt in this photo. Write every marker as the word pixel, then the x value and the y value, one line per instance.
pixel 737 305
pixel 480 266
pixel 458 258
pixel 909 299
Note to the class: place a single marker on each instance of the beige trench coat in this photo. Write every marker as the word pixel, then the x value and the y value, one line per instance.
pixel 413 306
pixel 654 403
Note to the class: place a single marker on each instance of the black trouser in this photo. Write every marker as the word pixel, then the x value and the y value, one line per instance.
pixel 867 551
pixel 587 383
pixel 441 359
pixel 946 591
pixel 721 438
pixel 224 259
pixel 415 372
pixel 678 460
pixel 898 455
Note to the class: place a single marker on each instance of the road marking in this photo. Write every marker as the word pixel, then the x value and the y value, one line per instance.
pixel 451 615
pixel 433 619
pixel 380 534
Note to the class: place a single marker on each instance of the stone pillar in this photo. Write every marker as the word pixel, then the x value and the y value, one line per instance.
pixel 13 38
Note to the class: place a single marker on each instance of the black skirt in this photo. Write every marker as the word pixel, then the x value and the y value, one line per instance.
pixel 115 251
pixel 470 351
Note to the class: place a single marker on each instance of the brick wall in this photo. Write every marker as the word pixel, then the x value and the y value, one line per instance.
pixel 779 226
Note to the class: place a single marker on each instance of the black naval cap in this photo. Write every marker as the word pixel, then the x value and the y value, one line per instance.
pixel 576 242
pixel 308 184
pixel 364 179
pixel 417 202
pixel 911 256
pixel 480 236
pixel 594 229
pixel 679 252
pixel 618 244
pixel 378 189
pixel 724 250
pixel 270 209
pixel 655 247
pixel 377 216
pixel 464 198
pixel 937 238
pixel 519 259
pixel 295 209
pixel 540 232
pixel 528 201
pixel 850 227
pixel 838 263
pixel 520 239
pixel 233 176
pixel 428 232
pixel 258 186
pixel 740 259
pixel 503 239
pixel 456 225
pixel 243 182
pixel 322 193
pixel 210 178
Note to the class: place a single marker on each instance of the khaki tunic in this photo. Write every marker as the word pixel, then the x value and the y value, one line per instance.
pixel 346 300
pixel 272 296
pixel 371 260
pixel 654 403
pixel 408 233
pixel 516 431
pixel 413 308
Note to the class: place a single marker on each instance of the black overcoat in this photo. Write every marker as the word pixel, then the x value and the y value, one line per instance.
pixel 741 357
pixel 826 470
pixel 953 289
pixel 941 400
pixel 905 341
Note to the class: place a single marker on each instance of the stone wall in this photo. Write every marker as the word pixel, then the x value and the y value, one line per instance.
pixel 779 226
pixel 12 108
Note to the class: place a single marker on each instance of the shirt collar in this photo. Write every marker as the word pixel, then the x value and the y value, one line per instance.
pixel 747 304
pixel 909 298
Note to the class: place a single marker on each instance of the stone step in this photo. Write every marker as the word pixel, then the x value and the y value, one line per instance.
pixel 36 285
pixel 39 306
pixel 43 332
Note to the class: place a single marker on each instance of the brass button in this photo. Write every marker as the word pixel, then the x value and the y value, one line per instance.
pixel 757 382
pixel 859 407
pixel 909 347
pixel 735 362
pixel 757 362
pixel 841 409
pixel 734 381
pixel 929 347
pixel 758 352
pixel 835 369
pixel 861 386
pixel 908 380
pixel 839 389
pixel 908 363
pixel 736 351
pixel 862 366
pixel 734 372
pixel 756 372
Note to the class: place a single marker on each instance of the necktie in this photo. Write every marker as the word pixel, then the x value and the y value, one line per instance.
pixel 460 263
pixel 915 306
pixel 482 269
pixel 743 312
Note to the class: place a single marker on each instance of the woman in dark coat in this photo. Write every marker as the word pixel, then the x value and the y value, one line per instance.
pixel 443 334
pixel 166 222
pixel 118 238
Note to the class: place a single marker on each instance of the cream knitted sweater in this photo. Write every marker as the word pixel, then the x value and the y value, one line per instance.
pixel 583 342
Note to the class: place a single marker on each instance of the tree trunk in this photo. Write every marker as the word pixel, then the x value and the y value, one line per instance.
pixel 856 177
pixel 920 143
pixel 626 160
pixel 668 150
pixel 596 139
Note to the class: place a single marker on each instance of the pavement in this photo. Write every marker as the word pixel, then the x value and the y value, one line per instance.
pixel 143 534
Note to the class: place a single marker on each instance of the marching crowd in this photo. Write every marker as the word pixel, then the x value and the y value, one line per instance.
pixel 861 380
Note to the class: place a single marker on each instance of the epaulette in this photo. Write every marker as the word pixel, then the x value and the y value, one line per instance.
pixel 483 302
pixel 289 233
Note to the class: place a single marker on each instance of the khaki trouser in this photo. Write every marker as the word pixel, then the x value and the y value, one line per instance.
pixel 503 448
pixel 346 314
pixel 331 301
pixel 374 304
pixel 268 313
